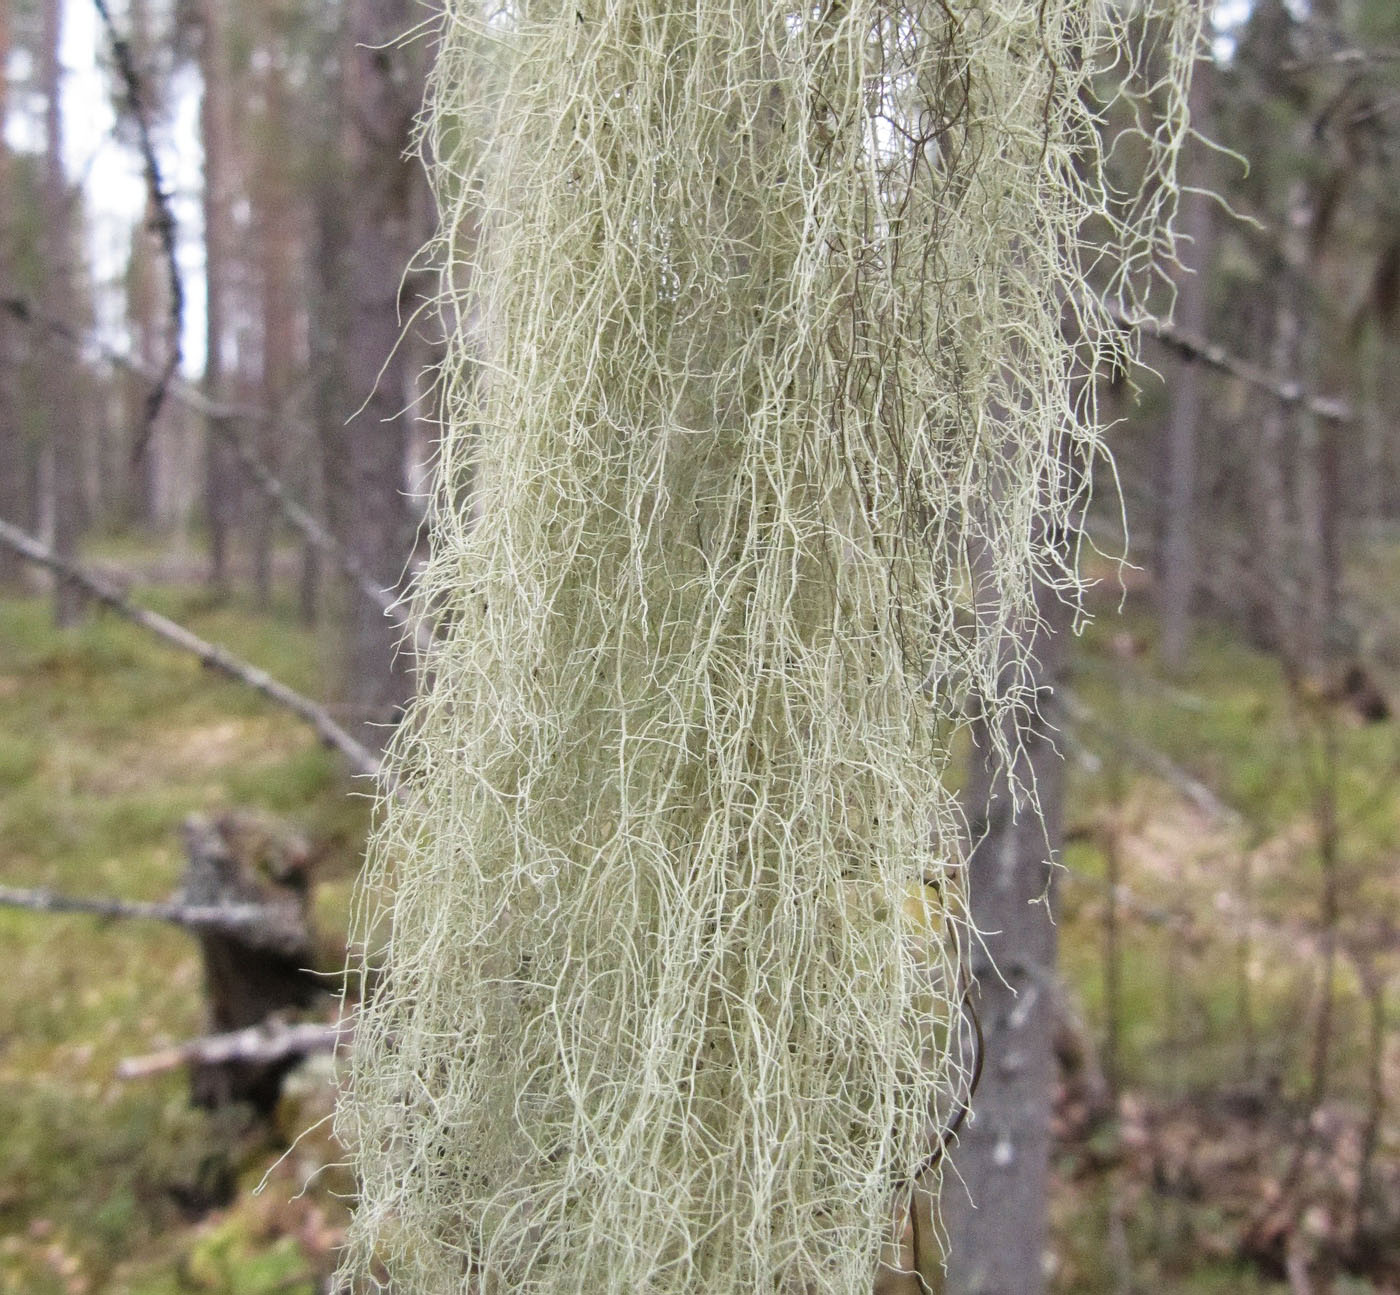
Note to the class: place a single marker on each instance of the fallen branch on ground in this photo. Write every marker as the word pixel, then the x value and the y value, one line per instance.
pixel 362 760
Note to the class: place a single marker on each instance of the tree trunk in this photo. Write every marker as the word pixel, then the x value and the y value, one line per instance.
pixel 12 448
pixel 277 249
pixel 221 480
pixel 383 91
pixel 65 441
pixel 994 1197
pixel 1187 379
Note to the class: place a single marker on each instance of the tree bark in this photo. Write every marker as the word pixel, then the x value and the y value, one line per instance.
pixel 12 448
pixel 65 440
pixel 1178 569
pixel 279 282
pixel 994 1197
pixel 220 481
pixel 382 94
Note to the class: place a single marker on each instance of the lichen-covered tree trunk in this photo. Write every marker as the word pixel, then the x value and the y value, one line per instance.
pixel 759 355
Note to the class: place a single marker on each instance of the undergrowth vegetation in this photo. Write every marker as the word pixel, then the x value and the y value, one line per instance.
pixel 107 741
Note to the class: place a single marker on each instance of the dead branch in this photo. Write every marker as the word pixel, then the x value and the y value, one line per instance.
pixel 361 759
pixel 1328 408
pixel 162 219
pixel 259 1044
pixel 262 925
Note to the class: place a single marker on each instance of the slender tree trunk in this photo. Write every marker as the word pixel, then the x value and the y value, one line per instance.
pixel 277 248
pixel 65 440
pixel 216 135
pixel 1187 379
pixel 148 292
pixel 1272 553
pixel 994 1200
pixel 383 91
pixel 12 447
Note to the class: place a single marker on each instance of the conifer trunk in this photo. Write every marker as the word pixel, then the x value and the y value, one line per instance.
pixel 382 91
pixel 221 472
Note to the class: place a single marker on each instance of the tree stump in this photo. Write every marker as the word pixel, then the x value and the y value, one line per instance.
pixel 250 975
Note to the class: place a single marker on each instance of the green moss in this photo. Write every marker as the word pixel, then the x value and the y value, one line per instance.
pixel 108 739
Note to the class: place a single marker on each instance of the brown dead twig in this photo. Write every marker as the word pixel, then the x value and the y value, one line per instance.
pixel 361 759
pixel 162 219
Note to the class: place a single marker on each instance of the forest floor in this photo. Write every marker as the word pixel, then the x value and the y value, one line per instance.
pixel 1229 942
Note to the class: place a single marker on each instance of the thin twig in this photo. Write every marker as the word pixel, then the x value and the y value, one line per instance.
pixel 1329 408
pixel 162 220
pixel 265 926
pixel 258 1043
pixel 1342 58
pixel 361 759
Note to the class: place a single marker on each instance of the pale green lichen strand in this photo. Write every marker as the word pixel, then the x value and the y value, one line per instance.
pixel 763 416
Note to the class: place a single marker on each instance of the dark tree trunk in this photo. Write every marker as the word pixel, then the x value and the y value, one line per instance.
pixel 996 1215
pixel 281 350
pixel 1187 380
pixel 221 480
pixel 382 94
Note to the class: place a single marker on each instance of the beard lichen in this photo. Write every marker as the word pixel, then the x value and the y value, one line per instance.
pixel 765 414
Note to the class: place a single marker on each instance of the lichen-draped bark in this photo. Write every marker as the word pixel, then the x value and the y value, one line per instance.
pixel 761 340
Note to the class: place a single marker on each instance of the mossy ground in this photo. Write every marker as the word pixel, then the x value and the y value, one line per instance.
pixel 108 739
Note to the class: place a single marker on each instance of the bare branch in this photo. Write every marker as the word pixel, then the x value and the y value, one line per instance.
pixel 1216 357
pixel 265 926
pixel 258 1044
pixel 361 759
pixel 1342 58
pixel 162 220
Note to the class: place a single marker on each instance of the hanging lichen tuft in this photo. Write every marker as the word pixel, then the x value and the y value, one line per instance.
pixel 764 416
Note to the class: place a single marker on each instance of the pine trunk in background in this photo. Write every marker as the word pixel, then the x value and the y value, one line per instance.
pixel 1186 380
pixel 221 481
pixel 383 90
pixel 994 1201
pixel 281 352
pixel 12 448
pixel 64 444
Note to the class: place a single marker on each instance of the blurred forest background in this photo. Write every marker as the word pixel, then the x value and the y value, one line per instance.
pixel 216 426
